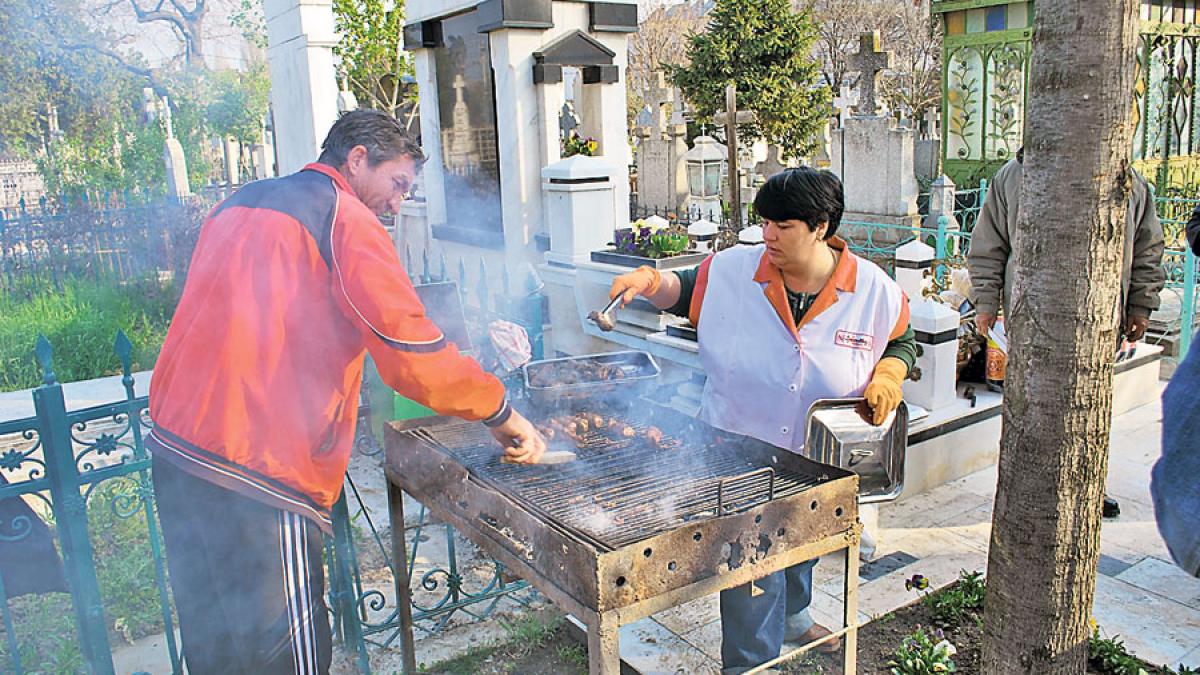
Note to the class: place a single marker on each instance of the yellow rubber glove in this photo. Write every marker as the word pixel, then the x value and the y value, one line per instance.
pixel 884 394
pixel 643 281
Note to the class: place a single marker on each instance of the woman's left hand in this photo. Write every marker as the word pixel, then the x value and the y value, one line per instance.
pixel 884 392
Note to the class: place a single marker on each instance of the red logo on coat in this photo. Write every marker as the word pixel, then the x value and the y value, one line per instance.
pixel 844 338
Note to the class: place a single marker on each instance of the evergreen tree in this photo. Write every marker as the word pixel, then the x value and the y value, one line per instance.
pixel 766 49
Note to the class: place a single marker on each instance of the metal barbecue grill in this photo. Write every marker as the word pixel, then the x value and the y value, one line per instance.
pixel 635 525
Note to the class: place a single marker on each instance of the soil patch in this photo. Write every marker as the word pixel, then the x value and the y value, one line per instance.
pixel 538 643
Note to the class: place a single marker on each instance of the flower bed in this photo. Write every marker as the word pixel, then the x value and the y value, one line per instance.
pixel 943 633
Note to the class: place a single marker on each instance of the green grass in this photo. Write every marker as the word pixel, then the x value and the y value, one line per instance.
pixel 81 319
pixel 523 635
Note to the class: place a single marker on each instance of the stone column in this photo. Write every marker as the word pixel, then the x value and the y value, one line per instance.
pixel 300 40
pixel 518 138
pixel 432 175
pixel 177 177
pixel 936 326
pixel 578 196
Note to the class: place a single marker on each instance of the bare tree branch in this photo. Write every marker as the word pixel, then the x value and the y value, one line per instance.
pixel 145 73
pixel 186 23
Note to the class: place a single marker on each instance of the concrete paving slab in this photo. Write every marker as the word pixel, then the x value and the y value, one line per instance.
pixel 1164 578
pixel 653 650
pixel 1155 629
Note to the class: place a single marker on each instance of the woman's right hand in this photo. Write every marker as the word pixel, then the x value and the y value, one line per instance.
pixel 644 281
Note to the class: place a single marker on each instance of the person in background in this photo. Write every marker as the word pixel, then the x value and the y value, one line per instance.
pixel 780 325
pixel 1193 230
pixel 1175 480
pixel 992 269
pixel 255 394
pixel 991 264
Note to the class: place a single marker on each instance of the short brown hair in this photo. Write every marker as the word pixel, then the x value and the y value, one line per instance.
pixel 375 130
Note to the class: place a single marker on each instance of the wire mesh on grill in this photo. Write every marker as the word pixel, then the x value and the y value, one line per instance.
pixel 623 490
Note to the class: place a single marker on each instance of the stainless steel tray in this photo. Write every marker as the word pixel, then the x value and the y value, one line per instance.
pixel 638 368
pixel 839 435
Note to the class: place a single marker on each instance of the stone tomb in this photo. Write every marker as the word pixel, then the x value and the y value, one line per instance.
pixel 491 80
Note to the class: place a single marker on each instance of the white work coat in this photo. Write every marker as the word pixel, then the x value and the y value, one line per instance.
pixel 764 371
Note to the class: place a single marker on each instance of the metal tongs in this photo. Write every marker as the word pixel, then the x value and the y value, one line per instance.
pixel 604 318
pixel 549 456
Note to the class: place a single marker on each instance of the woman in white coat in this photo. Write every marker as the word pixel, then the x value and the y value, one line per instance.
pixel 780 325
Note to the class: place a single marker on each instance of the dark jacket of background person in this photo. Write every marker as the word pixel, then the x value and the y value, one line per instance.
pixel 1175 483
pixel 990 260
pixel 1193 230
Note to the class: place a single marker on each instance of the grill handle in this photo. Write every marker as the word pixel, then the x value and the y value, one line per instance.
pixel 766 470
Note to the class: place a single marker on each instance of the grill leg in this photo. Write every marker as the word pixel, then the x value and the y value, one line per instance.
pixel 850 608
pixel 408 649
pixel 604 644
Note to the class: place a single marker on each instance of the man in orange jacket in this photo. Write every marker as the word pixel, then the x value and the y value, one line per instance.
pixel 255 394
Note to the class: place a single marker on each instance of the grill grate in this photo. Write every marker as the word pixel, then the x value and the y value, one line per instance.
pixel 622 491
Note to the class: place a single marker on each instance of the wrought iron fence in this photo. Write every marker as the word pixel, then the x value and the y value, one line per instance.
pixel 115 235
pixel 87 470
pixel 89 467
pixel 448 588
pixel 1180 264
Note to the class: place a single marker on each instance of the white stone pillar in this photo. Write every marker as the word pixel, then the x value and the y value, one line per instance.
pixel 518 138
pixel 177 177
pixel 434 171
pixel 936 326
pixel 578 196
pixel 913 260
pixel 300 40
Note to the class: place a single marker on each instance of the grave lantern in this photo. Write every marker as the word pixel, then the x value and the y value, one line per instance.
pixel 705 166
pixel 706 172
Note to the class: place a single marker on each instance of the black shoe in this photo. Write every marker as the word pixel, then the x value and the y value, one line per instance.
pixel 1112 508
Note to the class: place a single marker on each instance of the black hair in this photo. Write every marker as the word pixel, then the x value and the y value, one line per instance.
pixel 815 197
pixel 380 133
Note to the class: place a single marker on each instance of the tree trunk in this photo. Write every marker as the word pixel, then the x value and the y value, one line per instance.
pixel 1063 334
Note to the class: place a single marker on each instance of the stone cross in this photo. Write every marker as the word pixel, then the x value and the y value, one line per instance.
pixel 568 121
pixel 459 85
pixel 869 62
pixel 678 108
pixel 844 103
pixel 931 123
pixel 657 98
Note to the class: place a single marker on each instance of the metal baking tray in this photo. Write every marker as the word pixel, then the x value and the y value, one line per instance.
pixel 638 367
pixel 840 435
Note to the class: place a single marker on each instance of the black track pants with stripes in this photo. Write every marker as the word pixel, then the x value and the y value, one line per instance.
pixel 247 578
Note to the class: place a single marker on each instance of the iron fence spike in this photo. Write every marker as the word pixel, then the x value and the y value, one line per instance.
pixel 45 357
pixel 124 349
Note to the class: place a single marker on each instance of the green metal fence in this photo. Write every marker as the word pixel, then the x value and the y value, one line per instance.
pixel 1180 263
pixel 83 467
pixel 89 468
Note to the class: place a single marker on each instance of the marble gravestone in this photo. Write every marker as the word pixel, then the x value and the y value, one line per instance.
pixel 662 170
pixel 874 156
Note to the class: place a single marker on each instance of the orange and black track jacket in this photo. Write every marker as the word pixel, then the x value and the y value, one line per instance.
pixel 293 280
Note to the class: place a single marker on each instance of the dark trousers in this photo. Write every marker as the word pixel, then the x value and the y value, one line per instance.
pixel 247 578
pixel 753 625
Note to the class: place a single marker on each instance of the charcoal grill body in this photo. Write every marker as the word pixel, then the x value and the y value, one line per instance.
pixel 611 579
